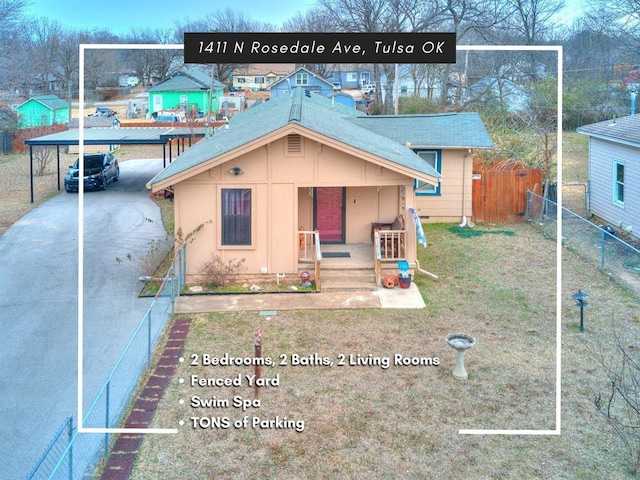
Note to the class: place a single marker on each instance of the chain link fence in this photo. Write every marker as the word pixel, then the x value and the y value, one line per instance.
pixel 74 456
pixel 599 244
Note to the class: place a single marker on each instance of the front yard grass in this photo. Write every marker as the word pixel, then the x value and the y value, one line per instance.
pixel 363 422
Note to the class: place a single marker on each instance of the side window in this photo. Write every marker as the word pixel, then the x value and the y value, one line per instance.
pixel 302 78
pixel 618 182
pixel 433 158
pixel 236 216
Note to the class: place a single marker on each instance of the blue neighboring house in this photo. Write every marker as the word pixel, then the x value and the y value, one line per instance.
pixel 351 78
pixel 301 78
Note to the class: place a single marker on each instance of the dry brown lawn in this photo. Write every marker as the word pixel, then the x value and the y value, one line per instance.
pixel 363 422
pixel 575 151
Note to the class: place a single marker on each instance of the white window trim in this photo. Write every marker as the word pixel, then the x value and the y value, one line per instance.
pixel 220 246
pixel 614 183
pixel 302 79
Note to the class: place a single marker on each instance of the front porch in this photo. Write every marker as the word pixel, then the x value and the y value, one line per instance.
pixel 351 266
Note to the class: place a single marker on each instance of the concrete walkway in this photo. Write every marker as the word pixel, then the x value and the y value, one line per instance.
pixel 381 298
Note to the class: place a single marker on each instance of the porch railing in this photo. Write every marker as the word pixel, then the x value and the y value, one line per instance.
pixel 309 252
pixel 389 246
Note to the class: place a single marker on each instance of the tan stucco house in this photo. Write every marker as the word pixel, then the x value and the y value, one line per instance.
pixel 300 170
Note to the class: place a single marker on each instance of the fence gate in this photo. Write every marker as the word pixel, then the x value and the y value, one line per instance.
pixel 501 195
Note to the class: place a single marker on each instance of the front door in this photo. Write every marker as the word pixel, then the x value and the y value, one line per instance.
pixel 329 213
pixel 157 102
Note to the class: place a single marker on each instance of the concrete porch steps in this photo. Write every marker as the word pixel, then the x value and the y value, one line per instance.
pixel 348 279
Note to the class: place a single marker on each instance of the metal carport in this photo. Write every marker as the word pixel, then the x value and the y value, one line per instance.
pixel 116 136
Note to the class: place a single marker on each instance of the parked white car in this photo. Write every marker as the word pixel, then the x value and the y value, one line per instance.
pixel 368 88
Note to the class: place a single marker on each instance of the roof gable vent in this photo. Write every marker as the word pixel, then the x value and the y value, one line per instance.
pixel 294 145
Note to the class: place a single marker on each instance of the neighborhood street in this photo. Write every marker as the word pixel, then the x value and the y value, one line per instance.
pixel 38 306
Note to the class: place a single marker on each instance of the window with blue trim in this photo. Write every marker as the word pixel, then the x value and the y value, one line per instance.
pixel 433 158
pixel 618 182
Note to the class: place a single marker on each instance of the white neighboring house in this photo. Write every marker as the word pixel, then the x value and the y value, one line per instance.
pixel 614 172
pixel 128 81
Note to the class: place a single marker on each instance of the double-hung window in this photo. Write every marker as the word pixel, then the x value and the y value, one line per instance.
pixel 618 182
pixel 236 216
pixel 302 78
pixel 434 159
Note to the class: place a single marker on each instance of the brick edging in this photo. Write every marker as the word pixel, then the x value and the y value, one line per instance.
pixel 125 449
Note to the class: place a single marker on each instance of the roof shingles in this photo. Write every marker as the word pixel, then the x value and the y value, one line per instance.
pixel 621 130
pixel 332 120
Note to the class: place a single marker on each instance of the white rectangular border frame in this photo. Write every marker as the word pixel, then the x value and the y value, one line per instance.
pixel 558 396
pixel 80 420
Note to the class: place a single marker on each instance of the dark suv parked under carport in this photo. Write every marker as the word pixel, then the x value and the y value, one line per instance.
pixel 99 170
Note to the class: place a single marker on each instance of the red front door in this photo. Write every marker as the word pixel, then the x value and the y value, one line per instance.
pixel 328 213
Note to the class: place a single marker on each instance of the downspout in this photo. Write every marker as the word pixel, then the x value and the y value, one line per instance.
pixel 464 189
pixel 424 272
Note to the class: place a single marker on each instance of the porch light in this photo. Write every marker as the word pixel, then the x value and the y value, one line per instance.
pixel 581 301
pixel 236 171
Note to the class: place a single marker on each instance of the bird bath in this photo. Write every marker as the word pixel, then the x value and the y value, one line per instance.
pixel 461 343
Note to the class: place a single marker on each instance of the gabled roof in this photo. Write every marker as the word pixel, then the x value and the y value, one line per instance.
pixel 93 122
pixel 301 69
pixel 625 130
pixel 311 115
pixel 187 80
pixel 52 102
pixel 264 69
pixel 441 130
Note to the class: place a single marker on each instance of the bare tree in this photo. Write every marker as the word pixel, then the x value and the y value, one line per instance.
pixel 620 19
pixel 44 36
pixel 227 20
pixel 619 404
pixel 11 12
pixel 370 16
pixel 533 22
pixel 313 20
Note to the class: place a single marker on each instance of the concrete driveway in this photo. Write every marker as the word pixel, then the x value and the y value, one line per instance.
pixel 38 306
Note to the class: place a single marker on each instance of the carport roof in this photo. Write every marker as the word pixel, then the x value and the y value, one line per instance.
pixel 120 136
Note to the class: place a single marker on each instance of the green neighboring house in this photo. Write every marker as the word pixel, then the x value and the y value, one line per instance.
pixel 43 110
pixel 187 90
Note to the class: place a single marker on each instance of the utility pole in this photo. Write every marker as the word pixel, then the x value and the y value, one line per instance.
pixel 70 98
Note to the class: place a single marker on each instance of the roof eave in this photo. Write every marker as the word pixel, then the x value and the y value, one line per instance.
pixel 609 138
pixel 291 127
pixel 451 147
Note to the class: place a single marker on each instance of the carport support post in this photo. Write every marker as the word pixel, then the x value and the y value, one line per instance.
pixel 164 155
pixel 31 169
pixel 58 152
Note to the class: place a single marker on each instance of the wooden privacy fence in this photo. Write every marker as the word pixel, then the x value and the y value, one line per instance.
pixel 500 196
